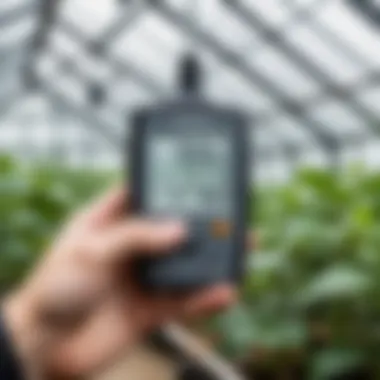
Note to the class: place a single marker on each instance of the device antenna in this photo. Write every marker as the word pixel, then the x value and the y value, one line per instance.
pixel 190 75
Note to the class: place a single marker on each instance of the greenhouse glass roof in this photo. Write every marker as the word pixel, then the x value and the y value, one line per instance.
pixel 306 71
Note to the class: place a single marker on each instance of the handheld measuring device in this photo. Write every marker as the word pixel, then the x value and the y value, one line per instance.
pixel 189 160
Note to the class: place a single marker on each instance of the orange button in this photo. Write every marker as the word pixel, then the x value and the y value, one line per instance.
pixel 221 229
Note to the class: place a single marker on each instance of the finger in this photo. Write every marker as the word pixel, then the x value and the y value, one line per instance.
pixel 201 304
pixel 138 237
pixel 108 208
pixel 209 301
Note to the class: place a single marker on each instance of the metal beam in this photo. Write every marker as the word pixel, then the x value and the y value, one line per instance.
pixel 150 84
pixel 84 113
pixel 79 73
pixel 370 9
pixel 103 129
pixel 338 44
pixel 120 67
pixel 11 53
pixel 47 14
pixel 349 91
pixel 8 101
pixel 123 68
pixel 8 18
pixel 266 154
pixel 308 13
pixel 301 60
pixel 328 141
pixel 125 21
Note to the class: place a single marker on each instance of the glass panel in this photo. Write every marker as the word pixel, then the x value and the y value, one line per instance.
pixel 155 29
pixel 93 19
pixel 229 87
pixel 339 69
pixel 353 28
pixel 233 33
pixel 6 5
pixel 338 118
pixel 17 32
pixel 289 130
pixel 284 74
pixel 154 47
pixel 274 11
pixel 371 99
pixel 305 3
pixel 64 44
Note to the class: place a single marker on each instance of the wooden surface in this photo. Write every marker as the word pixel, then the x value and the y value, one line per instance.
pixel 142 364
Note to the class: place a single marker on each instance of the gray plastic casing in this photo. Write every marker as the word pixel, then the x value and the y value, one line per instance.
pixel 209 261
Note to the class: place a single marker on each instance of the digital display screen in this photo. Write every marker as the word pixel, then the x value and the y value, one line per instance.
pixel 189 172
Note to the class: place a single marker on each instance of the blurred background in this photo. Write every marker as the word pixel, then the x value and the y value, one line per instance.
pixel 306 71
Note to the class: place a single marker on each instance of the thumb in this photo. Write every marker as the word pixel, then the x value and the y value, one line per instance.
pixel 137 237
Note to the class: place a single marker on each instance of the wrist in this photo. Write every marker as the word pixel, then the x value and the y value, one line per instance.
pixel 29 339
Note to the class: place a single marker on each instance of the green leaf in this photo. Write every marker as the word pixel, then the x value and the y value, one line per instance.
pixel 238 331
pixel 267 262
pixel 7 164
pixel 281 334
pixel 337 283
pixel 34 200
pixel 335 362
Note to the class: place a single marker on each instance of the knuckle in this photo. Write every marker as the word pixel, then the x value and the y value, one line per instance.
pixel 93 248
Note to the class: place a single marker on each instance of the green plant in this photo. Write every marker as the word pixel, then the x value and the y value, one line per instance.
pixel 312 291
pixel 313 286
pixel 34 201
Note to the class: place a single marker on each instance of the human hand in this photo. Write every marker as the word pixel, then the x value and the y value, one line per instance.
pixel 81 308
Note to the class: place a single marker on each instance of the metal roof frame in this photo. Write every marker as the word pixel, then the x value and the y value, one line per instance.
pixel 296 56
pixel 98 48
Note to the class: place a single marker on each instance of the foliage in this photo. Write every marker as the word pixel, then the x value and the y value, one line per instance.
pixel 313 286
pixel 312 291
pixel 34 201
